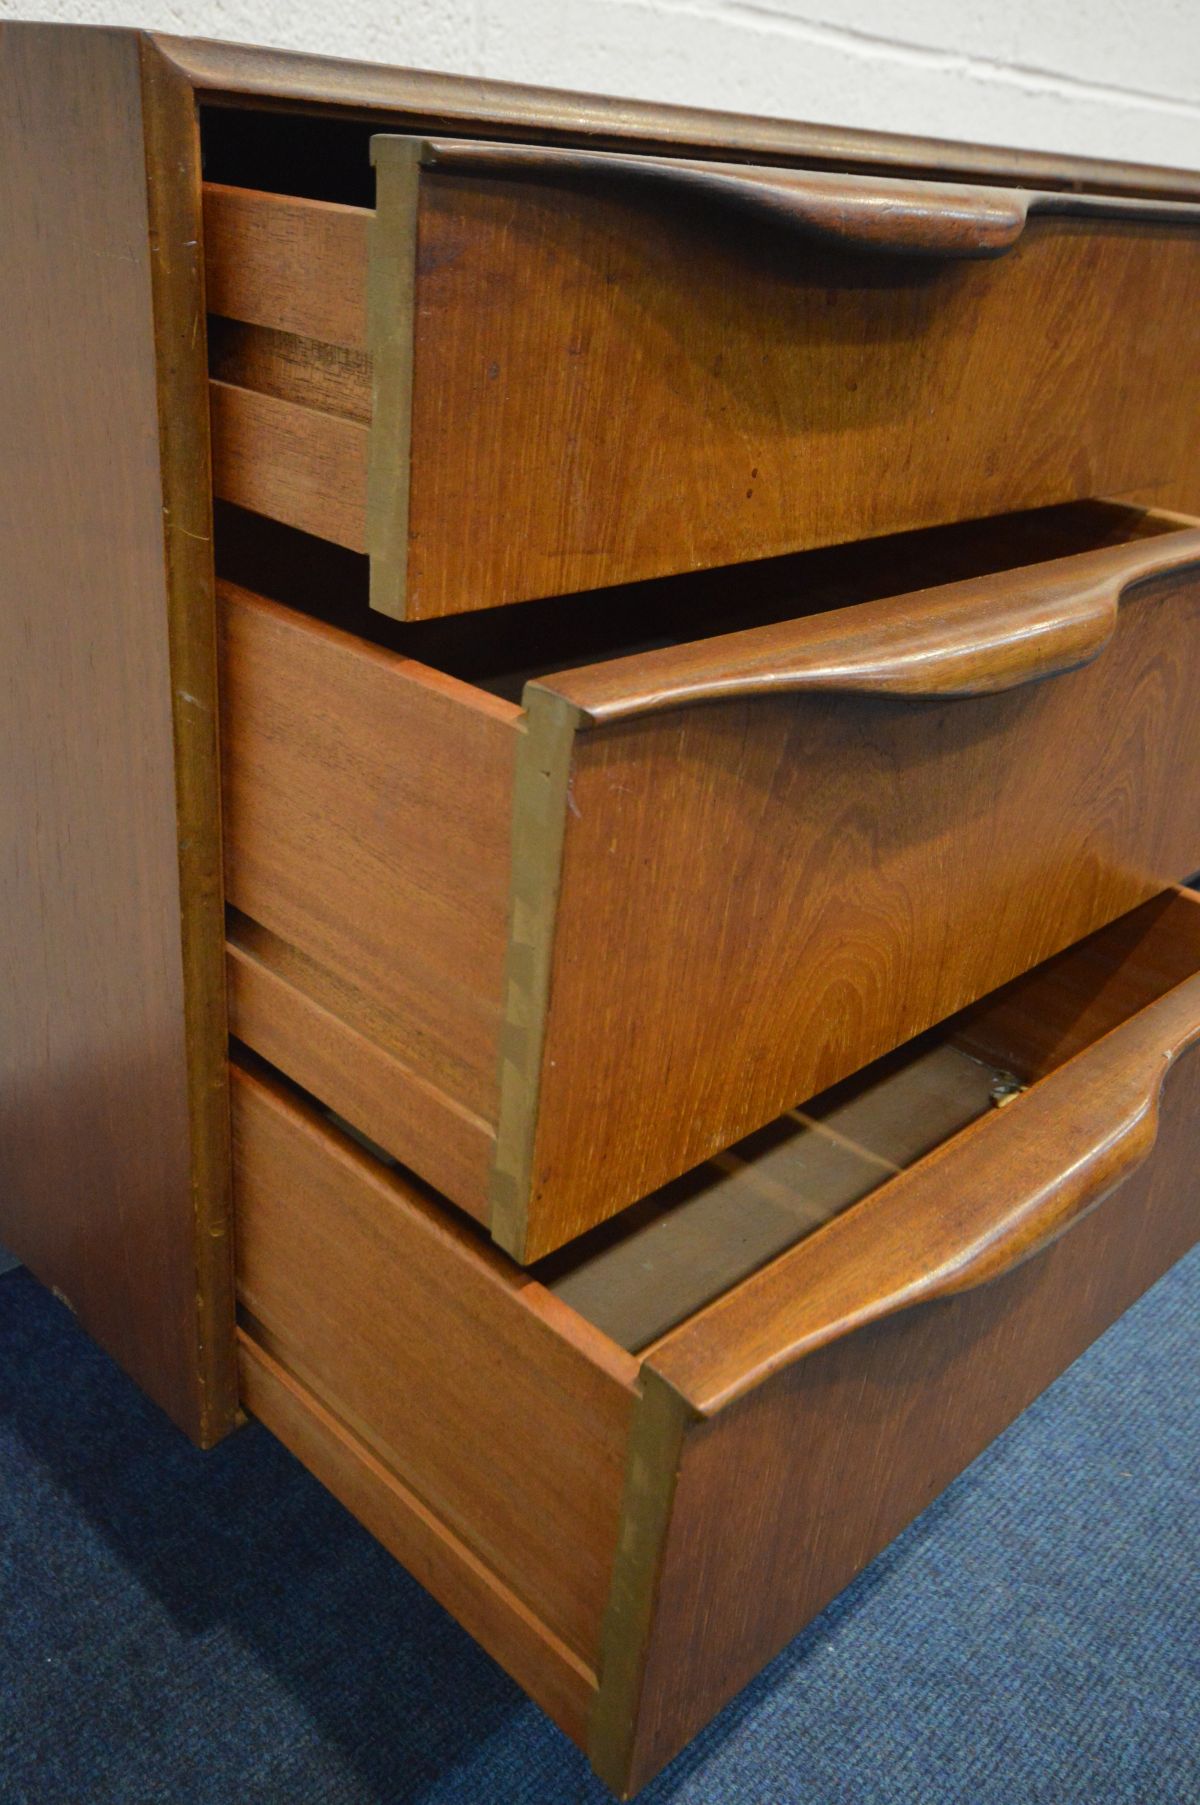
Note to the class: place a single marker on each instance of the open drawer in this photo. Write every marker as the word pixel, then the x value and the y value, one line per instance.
pixel 530 372
pixel 551 953
pixel 634 1528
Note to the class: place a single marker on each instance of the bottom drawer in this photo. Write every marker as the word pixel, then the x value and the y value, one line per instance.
pixel 637 1471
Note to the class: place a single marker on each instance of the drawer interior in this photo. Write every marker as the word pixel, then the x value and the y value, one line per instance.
pixel 319 157
pixel 499 650
pixel 668 1256
pixel 658 1263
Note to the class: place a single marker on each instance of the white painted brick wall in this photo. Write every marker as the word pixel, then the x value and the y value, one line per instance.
pixel 1112 78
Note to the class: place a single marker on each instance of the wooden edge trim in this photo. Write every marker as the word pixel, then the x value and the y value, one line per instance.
pixel 971 1210
pixel 974 637
pixel 391 303
pixel 864 213
pixel 430 102
pixel 660 1423
pixel 173 189
pixel 540 803
pixel 428 1548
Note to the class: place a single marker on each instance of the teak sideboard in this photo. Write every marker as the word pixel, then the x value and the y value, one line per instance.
pixel 601 760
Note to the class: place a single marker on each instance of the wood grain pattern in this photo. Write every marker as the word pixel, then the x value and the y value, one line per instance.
pixel 515 1458
pixel 114 1141
pixel 687 417
pixel 500 650
pixel 172 155
pixel 782 1499
pixel 442 1562
pixel 368 810
pixel 400 1322
pixel 505 1498
pixel 833 875
pixel 794 883
pixel 590 357
pixel 298 464
pixel 304 371
pixel 296 265
pixel 395 272
pixel 1183 493
pixel 1045 1018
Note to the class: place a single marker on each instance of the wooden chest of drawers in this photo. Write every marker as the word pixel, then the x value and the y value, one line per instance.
pixel 674 754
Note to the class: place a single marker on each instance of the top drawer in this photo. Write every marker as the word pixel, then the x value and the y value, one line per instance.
pixel 532 372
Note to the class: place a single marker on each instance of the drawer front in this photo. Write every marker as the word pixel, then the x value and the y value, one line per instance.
pixel 853 1444
pixel 577 370
pixel 1020 1240
pixel 786 885
pixel 632 1538
pixel 740 870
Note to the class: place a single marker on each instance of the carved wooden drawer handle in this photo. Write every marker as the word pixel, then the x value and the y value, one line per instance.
pixel 972 1210
pixel 858 212
pixel 970 638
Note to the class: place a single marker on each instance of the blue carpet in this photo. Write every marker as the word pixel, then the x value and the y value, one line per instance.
pixel 179 1628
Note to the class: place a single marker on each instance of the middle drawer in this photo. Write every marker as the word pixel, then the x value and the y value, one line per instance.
pixel 550 952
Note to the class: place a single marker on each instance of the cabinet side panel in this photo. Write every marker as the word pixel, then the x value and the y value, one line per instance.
pixel 97 1111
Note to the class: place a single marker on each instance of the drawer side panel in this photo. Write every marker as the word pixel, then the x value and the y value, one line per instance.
pixel 502 1412
pixel 367 822
pixel 561 1683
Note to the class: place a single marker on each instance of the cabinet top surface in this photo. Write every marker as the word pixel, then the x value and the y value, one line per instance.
pixel 426 101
